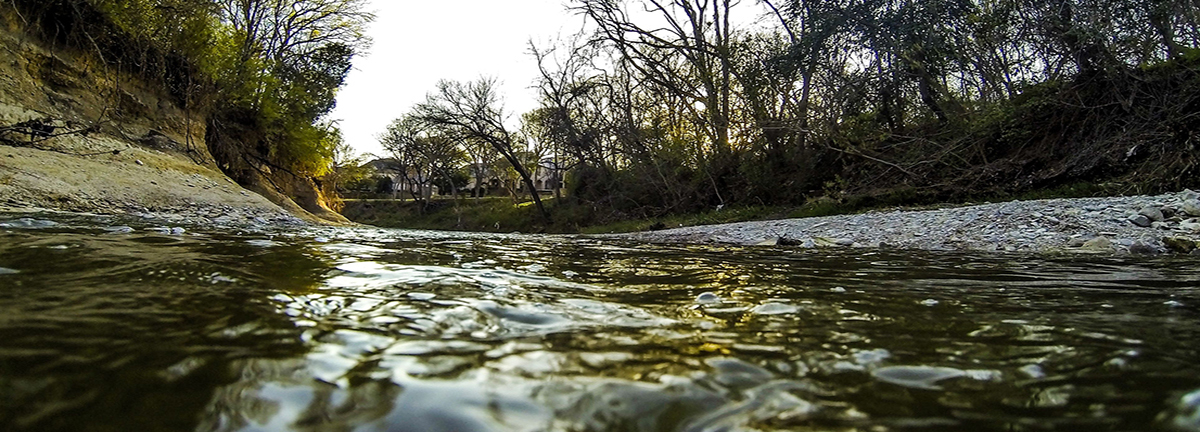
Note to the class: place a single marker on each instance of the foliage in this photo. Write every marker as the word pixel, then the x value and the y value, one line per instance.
pixel 424 156
pixel 264 71
pixel 472 112
pixel 668 107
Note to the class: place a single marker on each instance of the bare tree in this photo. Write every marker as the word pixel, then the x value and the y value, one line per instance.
pixel 696 31
pixel 473 111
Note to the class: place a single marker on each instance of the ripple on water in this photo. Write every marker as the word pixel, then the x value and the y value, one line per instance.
pixel 391 330
pixel 1185 414
pixel 928 377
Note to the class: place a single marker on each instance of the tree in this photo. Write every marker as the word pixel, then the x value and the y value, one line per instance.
pixel 421 151
pixel 473 112
pixel 690 56
pixel 286 62
pixel 346 167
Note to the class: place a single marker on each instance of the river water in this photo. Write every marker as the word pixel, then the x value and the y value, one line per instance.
pixel 108 325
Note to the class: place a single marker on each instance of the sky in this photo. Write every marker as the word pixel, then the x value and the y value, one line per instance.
pixel 417 43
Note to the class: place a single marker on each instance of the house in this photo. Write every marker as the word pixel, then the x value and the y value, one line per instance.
pixel 548 174
pixel 405 181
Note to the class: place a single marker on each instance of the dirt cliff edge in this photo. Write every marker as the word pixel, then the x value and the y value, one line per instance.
pixel 76 135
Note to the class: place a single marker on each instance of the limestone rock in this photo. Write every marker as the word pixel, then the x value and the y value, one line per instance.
pixel 1155 214
pixel 1191 206
pixel 1099 244
pixel 1141 220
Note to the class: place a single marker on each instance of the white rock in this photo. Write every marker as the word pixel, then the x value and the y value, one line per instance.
pixel 1153 213
pixel 1101 243
pixel 1191 207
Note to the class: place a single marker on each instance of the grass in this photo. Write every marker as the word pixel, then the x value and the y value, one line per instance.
pixel 500 214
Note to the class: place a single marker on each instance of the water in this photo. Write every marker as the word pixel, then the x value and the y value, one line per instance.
pixel 106 325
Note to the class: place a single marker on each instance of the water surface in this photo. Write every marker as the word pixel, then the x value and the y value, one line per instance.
pixel 108 325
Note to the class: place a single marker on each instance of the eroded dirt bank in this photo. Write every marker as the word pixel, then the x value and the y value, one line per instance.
pixel 77 136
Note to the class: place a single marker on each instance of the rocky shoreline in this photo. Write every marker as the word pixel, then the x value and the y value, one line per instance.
pixel 1168 223
pixel 169 220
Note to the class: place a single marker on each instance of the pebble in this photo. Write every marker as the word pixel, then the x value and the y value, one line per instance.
pixel 1133 224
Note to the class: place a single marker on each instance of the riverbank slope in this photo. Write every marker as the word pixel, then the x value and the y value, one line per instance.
pixel 77 135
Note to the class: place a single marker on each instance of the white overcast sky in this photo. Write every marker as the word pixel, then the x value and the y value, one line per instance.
pixel 418 43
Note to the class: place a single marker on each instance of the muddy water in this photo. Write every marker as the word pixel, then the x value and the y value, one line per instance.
pixel 108 325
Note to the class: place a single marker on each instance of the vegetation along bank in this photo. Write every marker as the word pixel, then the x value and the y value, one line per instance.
pixel 736 106
pixel 817 105
pixel 166 106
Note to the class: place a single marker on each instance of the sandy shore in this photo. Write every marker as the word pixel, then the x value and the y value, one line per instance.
pixel 1135 224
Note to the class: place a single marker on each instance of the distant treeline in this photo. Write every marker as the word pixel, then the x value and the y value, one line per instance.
pixel 262 72
pixel 676 106
pixel 666 105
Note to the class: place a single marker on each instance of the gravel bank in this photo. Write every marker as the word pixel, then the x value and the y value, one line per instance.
pixel 1168 223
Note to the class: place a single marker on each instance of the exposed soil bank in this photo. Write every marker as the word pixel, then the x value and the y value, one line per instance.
pixel 1136 224
pixel 77 136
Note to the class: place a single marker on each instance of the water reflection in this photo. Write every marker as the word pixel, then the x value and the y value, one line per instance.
pixel 362 329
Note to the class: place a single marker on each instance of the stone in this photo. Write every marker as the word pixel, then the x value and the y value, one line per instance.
pixel 773 241
pixel 1140 248
pixel 1140 220
pixel 1189 226
pixel 1098 244
pixel 1191 207
pixel 1155 214
pixel 1179 244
